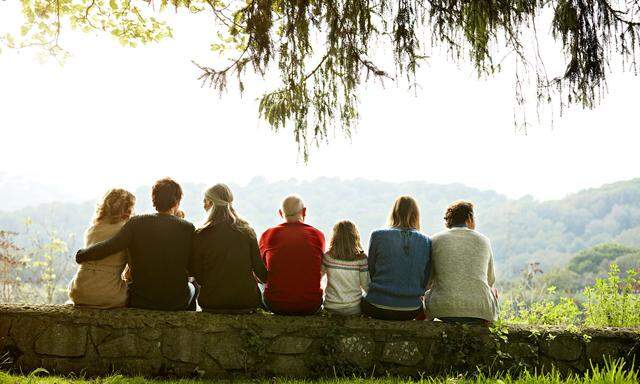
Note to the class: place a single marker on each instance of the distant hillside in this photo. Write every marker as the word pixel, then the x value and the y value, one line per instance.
pixel 589 264
pixel 17 193
pixel 596 260
pixel 521 230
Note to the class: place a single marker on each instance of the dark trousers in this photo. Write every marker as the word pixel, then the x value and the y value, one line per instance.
pixel 388 314
pixel 464 320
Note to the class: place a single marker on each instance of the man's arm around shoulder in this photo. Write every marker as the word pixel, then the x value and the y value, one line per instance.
pixel 100 250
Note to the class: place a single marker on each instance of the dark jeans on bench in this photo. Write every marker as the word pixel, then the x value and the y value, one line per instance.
pixel 388 314
pixel 464 320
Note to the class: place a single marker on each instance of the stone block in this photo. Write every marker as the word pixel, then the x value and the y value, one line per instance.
pixel 5 325
pixel 24 331
pixel 150 334
pixel 287 366
pixel 128 345
pixel 357 350
pixel 290 345
pixel 182 345
pixel 228 349
pixel 600 349
pixel 270 333
pixel 63 341
pixel 519 350
pixel 379 335
pixel 136 366
pixel 60 365
pixel 431 329
pixel 562 347
pixel 402 353
pixel 98 335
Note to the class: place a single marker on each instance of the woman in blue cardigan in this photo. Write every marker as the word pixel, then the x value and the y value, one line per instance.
pixel 398 265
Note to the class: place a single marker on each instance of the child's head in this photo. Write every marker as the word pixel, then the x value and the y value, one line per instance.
pixel 345 241
pixel 180 213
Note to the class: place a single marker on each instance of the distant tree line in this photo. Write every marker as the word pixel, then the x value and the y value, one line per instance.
pixel 522 231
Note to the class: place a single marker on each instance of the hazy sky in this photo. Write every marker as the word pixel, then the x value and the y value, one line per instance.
pixel 114 116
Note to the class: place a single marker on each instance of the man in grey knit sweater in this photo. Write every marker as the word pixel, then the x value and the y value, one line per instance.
pixel 462 273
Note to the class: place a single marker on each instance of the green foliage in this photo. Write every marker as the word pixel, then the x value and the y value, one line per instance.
pixel 128 21
pixel 36 272
pixel 610 302
pixel 45 267
pixel 10 264
pixel 324 51
pixel 544 312
pixel 614 302
pixel 614 372
pixel 591 260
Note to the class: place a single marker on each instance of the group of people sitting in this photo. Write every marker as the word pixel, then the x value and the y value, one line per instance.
pixel 161 261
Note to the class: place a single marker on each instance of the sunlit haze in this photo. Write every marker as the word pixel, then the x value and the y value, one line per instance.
pixel 115 116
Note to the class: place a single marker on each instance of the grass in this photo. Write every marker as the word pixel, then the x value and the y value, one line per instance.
pixel 611 373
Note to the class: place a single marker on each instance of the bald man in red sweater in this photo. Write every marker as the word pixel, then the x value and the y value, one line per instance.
pixel 292 252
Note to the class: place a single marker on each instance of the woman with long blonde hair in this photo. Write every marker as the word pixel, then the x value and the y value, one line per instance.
pixel 345 265
pixel 227 262
pixel 398 265
pixel 99 284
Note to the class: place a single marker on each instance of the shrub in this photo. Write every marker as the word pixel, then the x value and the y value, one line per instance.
pixel 614 301
pixel 545 311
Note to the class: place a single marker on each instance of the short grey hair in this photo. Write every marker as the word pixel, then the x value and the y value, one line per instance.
pixel 291 205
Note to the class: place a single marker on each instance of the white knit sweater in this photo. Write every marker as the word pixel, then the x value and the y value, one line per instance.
pixel 345 281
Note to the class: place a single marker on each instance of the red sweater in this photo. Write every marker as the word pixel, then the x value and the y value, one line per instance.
pixel 292 253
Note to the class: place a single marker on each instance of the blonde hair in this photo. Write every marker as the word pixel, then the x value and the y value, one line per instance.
pixel 345 242
pixel 115 204
pixel 221 200
pixel 405 213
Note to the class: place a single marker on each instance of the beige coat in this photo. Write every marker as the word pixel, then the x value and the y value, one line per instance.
pixel 99 284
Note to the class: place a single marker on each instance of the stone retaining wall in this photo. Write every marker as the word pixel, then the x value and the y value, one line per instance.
pixel 65 340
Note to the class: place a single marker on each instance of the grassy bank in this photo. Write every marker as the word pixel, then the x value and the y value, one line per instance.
pixel 614 373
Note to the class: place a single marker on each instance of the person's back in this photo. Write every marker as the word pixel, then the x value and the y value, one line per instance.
pixel 462 274
pixel 346 279
pixel 160 247
pixel 293 256
pixel 462 270
pixel 226 261
pixel 398 265
pixel 98 284
pixel 159 258
pixel 159 250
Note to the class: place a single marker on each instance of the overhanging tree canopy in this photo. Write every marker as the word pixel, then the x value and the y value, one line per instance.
pixel 324 50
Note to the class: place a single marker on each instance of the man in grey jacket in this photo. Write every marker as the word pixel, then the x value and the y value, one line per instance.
pixel 462 272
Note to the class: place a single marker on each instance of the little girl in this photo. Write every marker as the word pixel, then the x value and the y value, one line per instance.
pixel 346 267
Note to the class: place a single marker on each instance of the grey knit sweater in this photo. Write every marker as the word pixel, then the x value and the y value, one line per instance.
pixel 462 275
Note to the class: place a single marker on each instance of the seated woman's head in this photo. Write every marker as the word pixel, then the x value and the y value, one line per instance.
pixel 166 195
pixel 116 206
pixel 405 213
pixel 218 202
pixel 460 214
pixel 345 242
pixel 219 195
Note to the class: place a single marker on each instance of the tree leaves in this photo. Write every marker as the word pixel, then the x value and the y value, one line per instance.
pixel 323 50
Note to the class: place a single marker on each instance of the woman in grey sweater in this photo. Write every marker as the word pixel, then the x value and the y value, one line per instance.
pixel 462 272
